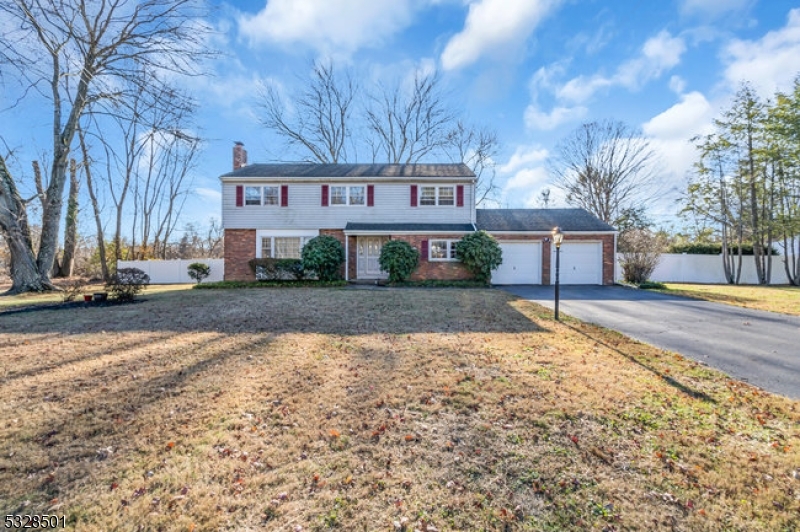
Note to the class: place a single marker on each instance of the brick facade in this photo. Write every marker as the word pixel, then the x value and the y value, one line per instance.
pixel 440 270
pixel 239 248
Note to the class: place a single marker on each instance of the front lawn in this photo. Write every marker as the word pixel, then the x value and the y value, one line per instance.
pixel 336 409
pixel 783 299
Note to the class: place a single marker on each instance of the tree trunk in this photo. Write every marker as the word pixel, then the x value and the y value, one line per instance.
pixel 101 239
pixel 25 275
pixel 71 229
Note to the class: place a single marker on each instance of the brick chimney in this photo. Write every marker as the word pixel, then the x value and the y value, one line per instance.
pixel 239 156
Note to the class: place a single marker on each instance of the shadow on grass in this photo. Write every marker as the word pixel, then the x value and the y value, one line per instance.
pixel 99 418
pixel 296 310
pixel 687 390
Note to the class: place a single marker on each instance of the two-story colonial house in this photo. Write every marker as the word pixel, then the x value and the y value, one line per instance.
pixel 272 210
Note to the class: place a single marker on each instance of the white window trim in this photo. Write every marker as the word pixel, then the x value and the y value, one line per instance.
pixel 436 187
pixel 264 196
pixel 451 244
pixel 347 195
pixel 265 233
pixel 261 196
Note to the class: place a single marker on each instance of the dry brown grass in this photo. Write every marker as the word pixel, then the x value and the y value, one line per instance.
pixel 333 408
pixel 782 299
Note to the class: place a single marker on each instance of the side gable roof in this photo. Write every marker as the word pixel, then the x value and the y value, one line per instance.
pixel 544 220
pixel 459 170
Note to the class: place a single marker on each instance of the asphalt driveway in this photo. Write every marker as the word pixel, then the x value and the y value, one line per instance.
pixel 762 348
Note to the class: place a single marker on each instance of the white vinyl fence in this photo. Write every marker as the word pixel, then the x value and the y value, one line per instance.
pixel 174 271
pixel 686 268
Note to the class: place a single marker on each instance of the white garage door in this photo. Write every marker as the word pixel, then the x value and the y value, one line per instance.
pixel 581 263
pixel 522 264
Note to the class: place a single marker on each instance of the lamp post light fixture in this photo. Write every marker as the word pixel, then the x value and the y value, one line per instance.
pixel 558 237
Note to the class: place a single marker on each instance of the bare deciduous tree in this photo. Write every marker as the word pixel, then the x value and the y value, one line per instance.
pixel 605 167
pixel 401 124
pixel 477 148
pixel 408 125
pixel 317 119
pixel 73 54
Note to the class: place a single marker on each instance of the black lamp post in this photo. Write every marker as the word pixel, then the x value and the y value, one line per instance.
pixel 558 237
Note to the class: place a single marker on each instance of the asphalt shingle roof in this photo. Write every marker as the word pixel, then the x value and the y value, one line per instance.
pixel 499 220
pixel 422 228
pixel 353 170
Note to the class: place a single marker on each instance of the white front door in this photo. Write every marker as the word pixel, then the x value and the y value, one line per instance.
pixel 369 250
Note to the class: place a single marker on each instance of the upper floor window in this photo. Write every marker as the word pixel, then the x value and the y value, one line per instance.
pixel 272 195
pixel 269 195
pixel 437 195
pixel 444 250
pixel 252 195
pixel 348 195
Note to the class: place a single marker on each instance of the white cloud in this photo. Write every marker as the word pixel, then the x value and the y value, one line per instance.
pixel 525 177
pixel 770 63
pixel 330 27
pixel 658 55
pixel 492 26
pixel 524 156
pixel 712 8
pixel 677 84
pixel 670 134
pixel 535 118
pixel 693 115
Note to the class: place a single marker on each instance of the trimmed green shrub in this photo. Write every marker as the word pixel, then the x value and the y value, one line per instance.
pixel 324 255
pixel 399 258
pixel 198 271
pixel 277 269
pixel 127 283
pixel 480 253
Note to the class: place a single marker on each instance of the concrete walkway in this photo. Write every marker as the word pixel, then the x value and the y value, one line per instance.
pixel 762 348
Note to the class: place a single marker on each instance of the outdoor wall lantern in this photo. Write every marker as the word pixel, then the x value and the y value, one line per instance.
pixel 558 237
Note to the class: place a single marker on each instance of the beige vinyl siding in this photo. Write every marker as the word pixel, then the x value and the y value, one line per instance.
pixel 305 211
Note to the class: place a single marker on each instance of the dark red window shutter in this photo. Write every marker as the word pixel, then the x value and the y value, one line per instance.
pixel 324 195
pixel 414 196
pixel 460 196
pixel 239 195
pixel 370 195
pixel 284 195
pixel 423 251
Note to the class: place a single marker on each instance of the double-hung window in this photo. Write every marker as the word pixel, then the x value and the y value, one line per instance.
pixel 252 195
pixel 283 247
pixel 348 195
pixel 436 195
pixel 272 195
pixel 442 250
pixel 269 195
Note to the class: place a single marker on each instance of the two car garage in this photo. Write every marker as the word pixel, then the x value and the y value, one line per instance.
pixel 587 252
pixel 581 263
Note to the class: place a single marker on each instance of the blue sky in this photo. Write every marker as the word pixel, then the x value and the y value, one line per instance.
pixel 531 69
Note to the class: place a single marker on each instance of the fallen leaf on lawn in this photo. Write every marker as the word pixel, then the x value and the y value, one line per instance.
pixel 335 433
pixel 170 445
